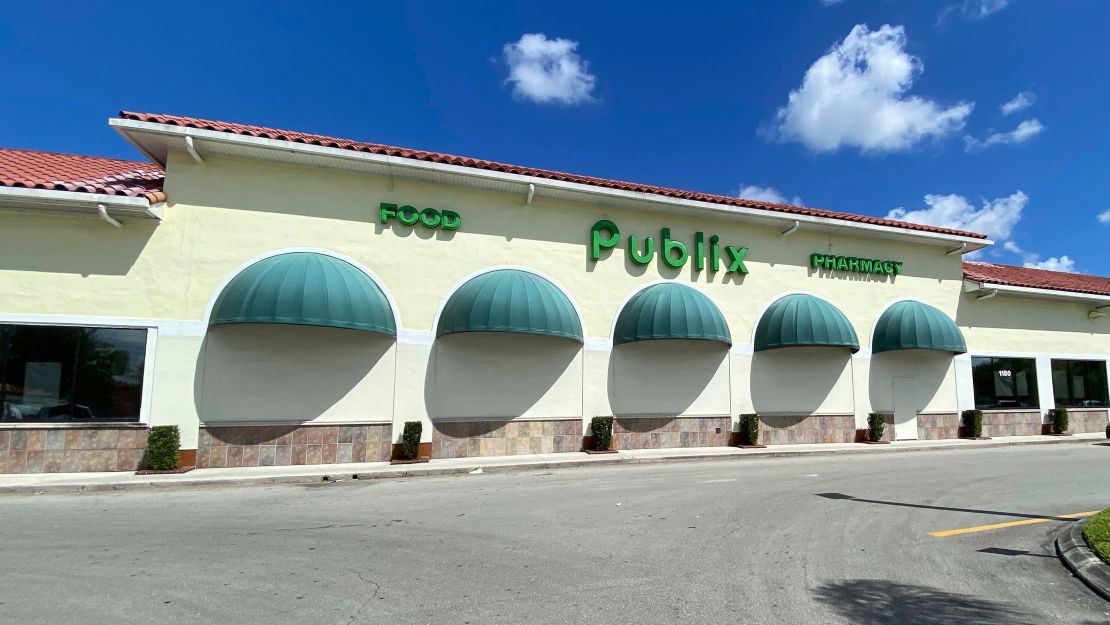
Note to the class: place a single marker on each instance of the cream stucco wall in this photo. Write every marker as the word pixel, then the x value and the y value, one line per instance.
pixel 226 212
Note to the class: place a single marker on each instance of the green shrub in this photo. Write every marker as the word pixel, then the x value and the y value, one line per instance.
pixel 876 425
pixel 973 423
pixel 1059 418
pixel 163 447
pixel 749 429
pixel 603 432
pixel 410 439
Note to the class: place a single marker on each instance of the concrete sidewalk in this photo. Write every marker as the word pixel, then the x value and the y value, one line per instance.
pixel 37 483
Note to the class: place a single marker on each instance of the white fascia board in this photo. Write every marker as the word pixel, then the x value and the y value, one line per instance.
pixel 126 127
pixel 1098 300
pixel 49 199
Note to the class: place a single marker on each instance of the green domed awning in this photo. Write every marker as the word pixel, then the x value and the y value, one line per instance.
pixel 804 320
pixel 913 325
pixel 510 300
pixel 670 311
pixel 305 288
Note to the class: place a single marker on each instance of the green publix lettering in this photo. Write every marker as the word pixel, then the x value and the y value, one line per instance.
pixel 605 235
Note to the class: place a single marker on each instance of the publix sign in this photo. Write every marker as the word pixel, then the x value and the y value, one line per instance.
pixel 706 252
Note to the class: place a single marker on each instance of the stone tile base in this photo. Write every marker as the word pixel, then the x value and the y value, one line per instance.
pixel 791 429
pixel 280 445
pixel 467 439
pixel 938 426
pixel 71 449
pixel 666 432
pixel 1017 423
pixel 1082 420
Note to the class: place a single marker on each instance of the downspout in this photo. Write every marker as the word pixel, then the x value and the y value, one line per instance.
pixel 192 149
pixel 531 193
pixel 103 212
pixel 792 229
pixel 988 295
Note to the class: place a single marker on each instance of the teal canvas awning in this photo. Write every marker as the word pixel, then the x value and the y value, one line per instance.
pixel 305 288
pixel 670 311
pixel 914 325
pixel 804 320
pixel 510 300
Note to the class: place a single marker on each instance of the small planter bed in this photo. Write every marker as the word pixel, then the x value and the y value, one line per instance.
pixel 876 426
pixel 164 471
pixel 973 425
pixel 602 430
pixel 749 432
pixel 410 444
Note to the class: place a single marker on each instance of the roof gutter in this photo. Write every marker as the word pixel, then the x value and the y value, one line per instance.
pixel 175 136
pixel 971 286
pixel 19 198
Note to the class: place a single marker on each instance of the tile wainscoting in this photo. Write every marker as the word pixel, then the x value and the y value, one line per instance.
pixel 1011 423
pixel 222 446
pixel 668 432
pixel 938 426
pixel 804 429
pixel 71 449
pixel 468 439
pixel 1083 420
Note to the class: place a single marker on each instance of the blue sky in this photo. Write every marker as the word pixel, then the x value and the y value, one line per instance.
pixel 876 107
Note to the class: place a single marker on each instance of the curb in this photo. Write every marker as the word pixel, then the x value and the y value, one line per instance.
pixel 432 471
pixel 1081 561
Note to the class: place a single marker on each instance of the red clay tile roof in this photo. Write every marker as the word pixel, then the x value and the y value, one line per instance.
pixel 1036 278
pixel 31 169
pixel 436 157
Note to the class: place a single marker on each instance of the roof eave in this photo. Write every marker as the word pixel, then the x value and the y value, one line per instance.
pixel 157 140
pixel 976 286
pixel 78 202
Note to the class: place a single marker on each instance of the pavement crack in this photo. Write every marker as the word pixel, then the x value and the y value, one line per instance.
pixel 377 587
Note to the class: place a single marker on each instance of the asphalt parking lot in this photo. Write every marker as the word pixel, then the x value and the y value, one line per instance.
pixel 925 538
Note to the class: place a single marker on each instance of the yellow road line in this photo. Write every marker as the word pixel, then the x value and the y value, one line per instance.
pixel 996 526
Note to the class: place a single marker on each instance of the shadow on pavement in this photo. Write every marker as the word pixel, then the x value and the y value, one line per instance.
pixel 876 601
pixel 1020 515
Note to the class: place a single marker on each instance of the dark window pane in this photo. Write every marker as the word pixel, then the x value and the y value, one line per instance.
pixel 1004 383
pixel 53 373
pixel 1080 383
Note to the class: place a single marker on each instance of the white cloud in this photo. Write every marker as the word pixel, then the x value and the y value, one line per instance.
pixel 995 218
pixel 548 70
pixel 1025 131
pixel 1104 217
pixel 829 3
pixel 972 9
pixel 766 194
pixel 855 95
pixel 1020 102
pixel 1062 263
pixel 1033 260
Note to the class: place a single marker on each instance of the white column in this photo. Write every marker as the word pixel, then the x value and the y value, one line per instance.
pixel 965 383
pixel 1044 385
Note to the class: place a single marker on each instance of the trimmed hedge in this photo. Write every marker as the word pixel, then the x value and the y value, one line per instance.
pixel 163 447
pixel 749 429
pixel 603 432
pixel 876 425
pixel 1059 418
pixel 973 423
pixel 410 439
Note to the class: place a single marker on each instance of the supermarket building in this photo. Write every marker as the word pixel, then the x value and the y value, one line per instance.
pixel 287 298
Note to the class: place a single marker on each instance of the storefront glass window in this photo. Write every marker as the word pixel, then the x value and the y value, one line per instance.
pixel 1002 383
pixel 53 373
pixel 1079 383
